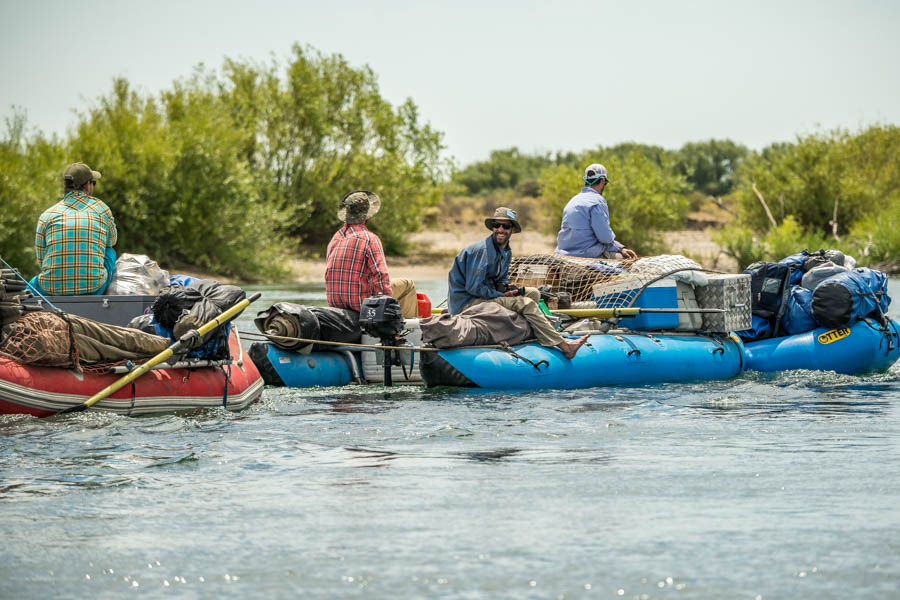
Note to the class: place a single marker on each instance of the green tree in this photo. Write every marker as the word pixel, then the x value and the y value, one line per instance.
pixel 324 130
pixel 30 183
pixel 175 182
pixel 832 189
pixel 504 169
pixel 711 166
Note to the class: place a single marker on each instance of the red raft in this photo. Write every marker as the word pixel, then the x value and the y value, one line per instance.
pixel 44 391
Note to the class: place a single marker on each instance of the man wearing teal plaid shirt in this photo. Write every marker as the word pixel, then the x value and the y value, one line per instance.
pixel 75 238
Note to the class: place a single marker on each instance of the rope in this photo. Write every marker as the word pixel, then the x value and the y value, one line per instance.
pixel 501 346
pixel 371 346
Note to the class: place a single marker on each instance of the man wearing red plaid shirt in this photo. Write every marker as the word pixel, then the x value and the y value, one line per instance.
pixel 354 263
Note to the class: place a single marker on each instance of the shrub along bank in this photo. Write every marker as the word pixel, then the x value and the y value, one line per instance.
pixel 229 171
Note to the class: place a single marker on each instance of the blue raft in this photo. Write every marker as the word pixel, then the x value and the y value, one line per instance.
pixel 863 347
pixel 610 359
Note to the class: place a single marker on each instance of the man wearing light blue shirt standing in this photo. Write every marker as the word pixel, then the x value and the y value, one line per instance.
pixel 585 227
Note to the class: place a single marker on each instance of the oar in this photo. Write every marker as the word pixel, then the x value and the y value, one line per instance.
pixel 164 355
pixel 612 313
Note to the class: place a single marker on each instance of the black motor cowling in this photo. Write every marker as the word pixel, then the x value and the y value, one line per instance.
pixel 380 317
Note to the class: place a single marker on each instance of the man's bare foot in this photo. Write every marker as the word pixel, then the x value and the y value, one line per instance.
pixel 570 348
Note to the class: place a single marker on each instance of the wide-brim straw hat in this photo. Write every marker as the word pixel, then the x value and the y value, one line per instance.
pixel 359 206
pixel 504 214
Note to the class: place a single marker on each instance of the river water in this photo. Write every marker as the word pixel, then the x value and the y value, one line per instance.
pixel 764 486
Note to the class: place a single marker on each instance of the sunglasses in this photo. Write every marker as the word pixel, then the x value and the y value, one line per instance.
pixel 502 225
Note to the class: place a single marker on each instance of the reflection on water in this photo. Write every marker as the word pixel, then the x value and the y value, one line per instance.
pixel 767 485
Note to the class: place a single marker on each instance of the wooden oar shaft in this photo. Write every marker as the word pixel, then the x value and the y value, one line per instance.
pixel 164 355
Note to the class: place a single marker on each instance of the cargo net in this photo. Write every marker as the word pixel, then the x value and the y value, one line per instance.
pixel 40 338
pixel 67 341
pixel 598 282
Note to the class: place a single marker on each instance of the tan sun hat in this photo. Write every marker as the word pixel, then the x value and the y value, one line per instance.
pixel 504 214
pixel 359 206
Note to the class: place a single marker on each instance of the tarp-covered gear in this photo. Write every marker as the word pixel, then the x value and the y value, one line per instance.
pixel 483 324
pixel 845 298
pixel 820 273
pixel 199 302
pixel 769 290
pixel 289 320
pixel 143 323
pixel 329 324
pixel 46 339
pixel 803 262
pixel 798 316
pixel 136 274
pixel 172 302
pixel 760 329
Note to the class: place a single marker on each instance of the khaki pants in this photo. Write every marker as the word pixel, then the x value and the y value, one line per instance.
pixel 404 292
pixel 527 306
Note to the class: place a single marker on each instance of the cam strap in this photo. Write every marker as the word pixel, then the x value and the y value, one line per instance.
pixel 537 365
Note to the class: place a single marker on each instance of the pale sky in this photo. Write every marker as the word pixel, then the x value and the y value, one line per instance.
pixel 543 76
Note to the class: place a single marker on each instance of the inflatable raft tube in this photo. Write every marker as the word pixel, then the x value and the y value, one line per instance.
pixel 611 359
pixel 861 348
pixel 292 369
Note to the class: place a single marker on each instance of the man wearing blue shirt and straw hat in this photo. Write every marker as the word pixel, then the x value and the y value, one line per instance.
pixel 585 229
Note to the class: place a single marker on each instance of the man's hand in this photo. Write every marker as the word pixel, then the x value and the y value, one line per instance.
pixel 627 253
pixel 511 292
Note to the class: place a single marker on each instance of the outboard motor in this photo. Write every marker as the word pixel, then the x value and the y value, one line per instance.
pixel 380 317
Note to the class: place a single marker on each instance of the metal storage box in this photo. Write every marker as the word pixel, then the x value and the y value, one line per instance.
pixel 113 310
pixel 729 292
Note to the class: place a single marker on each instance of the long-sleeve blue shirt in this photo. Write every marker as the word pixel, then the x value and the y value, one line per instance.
pixel 476 272
pixel 585 227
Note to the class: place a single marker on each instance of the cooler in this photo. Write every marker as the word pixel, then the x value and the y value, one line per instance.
pixel 660 294
pixel 408 372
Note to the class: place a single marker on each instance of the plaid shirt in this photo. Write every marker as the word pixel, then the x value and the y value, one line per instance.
pixel 70 243
pixel 355 267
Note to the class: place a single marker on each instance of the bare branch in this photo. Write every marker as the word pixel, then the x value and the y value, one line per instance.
pixel 765 206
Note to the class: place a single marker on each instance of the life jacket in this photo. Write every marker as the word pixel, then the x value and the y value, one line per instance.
pixel 770 287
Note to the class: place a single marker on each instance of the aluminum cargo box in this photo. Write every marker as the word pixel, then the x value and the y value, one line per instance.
pixel 729 292
pixel 113 310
